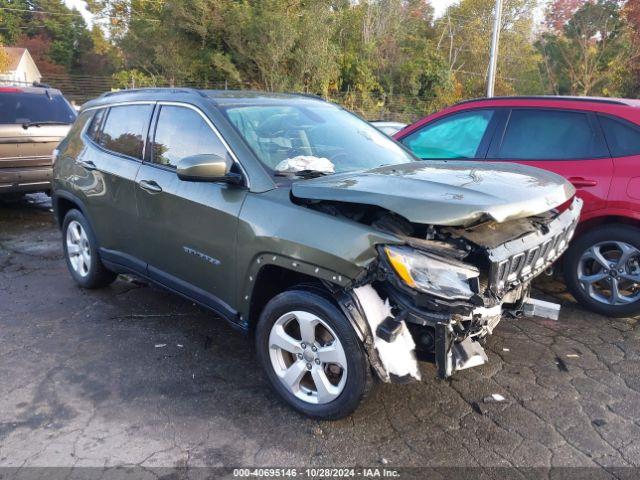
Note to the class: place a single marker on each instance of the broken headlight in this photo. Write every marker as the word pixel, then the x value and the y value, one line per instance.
pixel 428 273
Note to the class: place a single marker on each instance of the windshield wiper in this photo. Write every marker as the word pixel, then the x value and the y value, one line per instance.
pixel 302 173
pixel 44 122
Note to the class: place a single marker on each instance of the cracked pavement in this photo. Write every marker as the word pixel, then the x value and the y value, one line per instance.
pixel 132 375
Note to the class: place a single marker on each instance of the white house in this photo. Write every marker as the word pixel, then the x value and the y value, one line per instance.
pixel 22 69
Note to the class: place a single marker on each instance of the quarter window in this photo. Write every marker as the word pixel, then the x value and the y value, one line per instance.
pixel 125 129
pixel 622 137
pixel 456 136
pixel 550 135
pixel 182 132
pixel 94 127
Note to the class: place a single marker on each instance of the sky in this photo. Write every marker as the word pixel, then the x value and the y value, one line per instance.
pixel 439 6
pixel 81 6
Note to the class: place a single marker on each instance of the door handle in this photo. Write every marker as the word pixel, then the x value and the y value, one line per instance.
pixel 150 186
pixel 87 164
pixel 583 182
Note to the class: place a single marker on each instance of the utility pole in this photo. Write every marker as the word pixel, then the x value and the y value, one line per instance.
pixel 495 39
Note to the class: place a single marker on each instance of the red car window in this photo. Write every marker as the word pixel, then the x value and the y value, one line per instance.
pixel 455 136
pixel 622 137
pixel 550 135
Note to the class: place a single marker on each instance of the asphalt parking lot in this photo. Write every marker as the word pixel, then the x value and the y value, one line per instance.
pixel 132 375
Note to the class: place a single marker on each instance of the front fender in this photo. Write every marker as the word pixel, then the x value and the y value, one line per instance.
pixel 274 230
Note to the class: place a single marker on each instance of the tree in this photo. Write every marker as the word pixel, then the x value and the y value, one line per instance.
pixel 4 60
pixel 464 36
pixel 13 21
pixel 560 12
pixel 377 57
pixel 39 47
pixel 56 36
pixel 577 61
pixel 626 70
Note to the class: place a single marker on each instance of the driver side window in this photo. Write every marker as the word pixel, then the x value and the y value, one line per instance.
pixel 182 132
pixel 455 136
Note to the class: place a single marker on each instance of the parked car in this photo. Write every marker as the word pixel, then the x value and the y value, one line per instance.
pixel 308 228
pixel 33 120
pixel 389 128
pixel 594 143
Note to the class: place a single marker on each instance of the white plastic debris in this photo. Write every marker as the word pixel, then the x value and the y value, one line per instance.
pixel 494 397
pixel 397 357
pixel 305 162
pixel 573 355
pixel 179 345
pixel 506 350
pixel 161 345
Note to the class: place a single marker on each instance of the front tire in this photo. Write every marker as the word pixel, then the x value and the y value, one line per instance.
pixel 81 252
pixel 312 355
pixel 602 270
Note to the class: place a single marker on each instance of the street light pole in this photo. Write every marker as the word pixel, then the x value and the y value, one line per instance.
pixel 495 39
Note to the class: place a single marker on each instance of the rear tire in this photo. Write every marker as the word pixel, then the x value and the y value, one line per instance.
pixel 592 267
pixel 303 340
pixel 81 252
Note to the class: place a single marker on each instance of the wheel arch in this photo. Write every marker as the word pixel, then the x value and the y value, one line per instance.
pixel 62 202
pixel 273 274
pixel 629 218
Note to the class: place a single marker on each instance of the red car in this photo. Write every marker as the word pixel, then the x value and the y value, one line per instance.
pixel 594 143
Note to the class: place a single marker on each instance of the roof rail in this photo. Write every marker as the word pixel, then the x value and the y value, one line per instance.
pixel 152 90
pixel 546 97
pixel 41 85
pixel 317 96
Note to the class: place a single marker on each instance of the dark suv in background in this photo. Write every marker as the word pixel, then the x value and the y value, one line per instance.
pixel 309 229
pixel 33 120
pixel 594 143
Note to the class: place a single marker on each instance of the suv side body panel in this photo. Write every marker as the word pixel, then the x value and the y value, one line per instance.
pixel 188 231
pixel 193 226
pixel 625 188
pixel 624 196
pixel 274 231
pixel 106 184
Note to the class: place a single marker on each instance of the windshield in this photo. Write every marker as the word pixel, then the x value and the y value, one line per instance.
pixel 313 137
pixel 21 108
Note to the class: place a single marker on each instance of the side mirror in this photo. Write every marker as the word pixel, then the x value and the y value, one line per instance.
pixel 207 167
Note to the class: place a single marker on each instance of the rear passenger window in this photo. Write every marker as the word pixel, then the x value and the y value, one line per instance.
pixel 94 127
pixel 550 135
pixel 622 137
pixel 125 129
pixel 182 132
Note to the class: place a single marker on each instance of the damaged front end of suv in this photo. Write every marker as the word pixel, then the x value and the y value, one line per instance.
pixel 464 259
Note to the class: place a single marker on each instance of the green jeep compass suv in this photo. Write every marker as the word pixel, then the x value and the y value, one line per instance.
pixel 342 254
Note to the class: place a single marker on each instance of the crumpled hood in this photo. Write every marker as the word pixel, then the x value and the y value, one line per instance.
pixel 451 193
